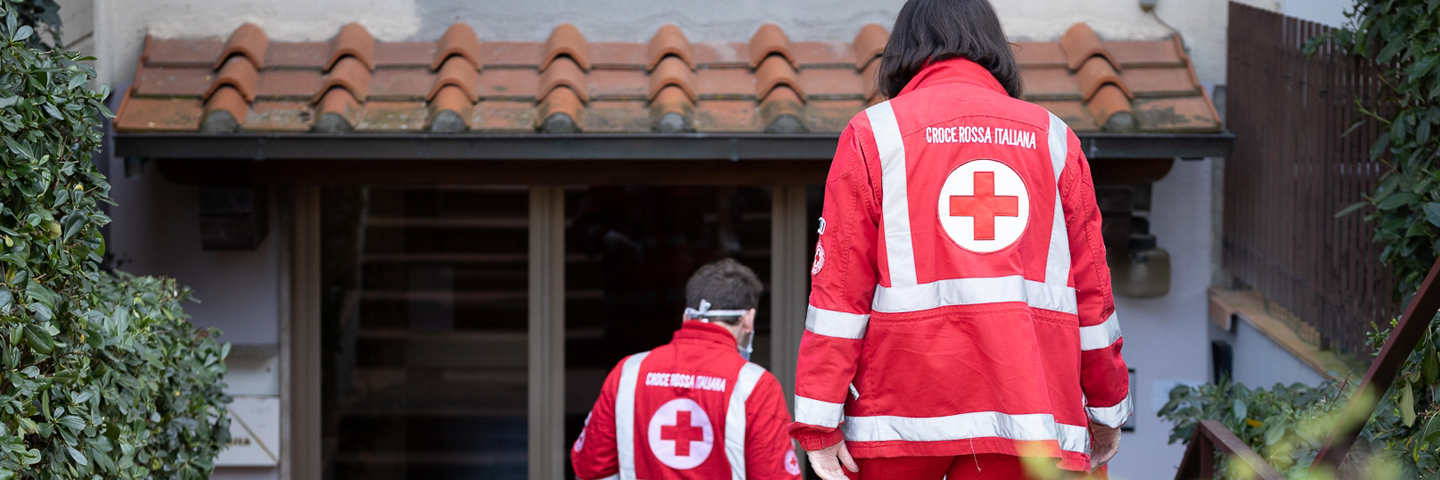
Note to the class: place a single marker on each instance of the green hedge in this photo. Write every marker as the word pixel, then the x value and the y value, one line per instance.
pixel 103 376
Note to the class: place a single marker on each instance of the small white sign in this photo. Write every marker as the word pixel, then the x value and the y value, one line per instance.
pixel 254 433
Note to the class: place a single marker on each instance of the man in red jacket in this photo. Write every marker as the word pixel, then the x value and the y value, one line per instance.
pixel 694 408
pixel 961 315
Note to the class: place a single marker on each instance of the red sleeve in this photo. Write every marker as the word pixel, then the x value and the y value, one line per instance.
pixel 594 455
pixel 842 289
pixel 1104 377
pixel 768 451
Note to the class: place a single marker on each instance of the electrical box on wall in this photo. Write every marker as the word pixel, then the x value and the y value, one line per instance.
pixel 254 433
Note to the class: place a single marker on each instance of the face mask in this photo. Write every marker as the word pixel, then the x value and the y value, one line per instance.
pixel 746 345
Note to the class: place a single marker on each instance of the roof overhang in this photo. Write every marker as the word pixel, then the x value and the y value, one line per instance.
pixel 434 158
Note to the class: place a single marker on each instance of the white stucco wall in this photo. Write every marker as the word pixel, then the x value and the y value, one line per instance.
pixel 1260 362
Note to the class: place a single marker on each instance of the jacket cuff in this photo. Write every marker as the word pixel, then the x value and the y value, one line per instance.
pixel 812 438
pixel 1113 416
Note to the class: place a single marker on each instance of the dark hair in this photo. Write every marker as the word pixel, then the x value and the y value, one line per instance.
pixel 928 31
pixel 727 285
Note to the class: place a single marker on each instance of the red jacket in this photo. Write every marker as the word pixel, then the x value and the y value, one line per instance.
pixel 690 409
pixel 960 302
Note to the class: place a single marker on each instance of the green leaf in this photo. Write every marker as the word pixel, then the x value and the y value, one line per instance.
pixel 1432 213
pixel 1407 405
pixel 1352 208
pixel 1238 408
pixel 1396 200
pixel 72 422
pixel 23 33
pixel 75 454
pixel 1379 147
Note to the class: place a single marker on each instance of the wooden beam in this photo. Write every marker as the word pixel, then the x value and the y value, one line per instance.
pixel 1377 381
pixel 302 450
pixel 547 333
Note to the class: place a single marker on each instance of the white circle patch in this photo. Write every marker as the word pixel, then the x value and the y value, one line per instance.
pixel 819 260
pixel 984 206
pixel 681 436
pixel 792 464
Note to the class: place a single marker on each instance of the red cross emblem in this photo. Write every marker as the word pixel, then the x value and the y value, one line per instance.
pixel 680 434
pixel 984 206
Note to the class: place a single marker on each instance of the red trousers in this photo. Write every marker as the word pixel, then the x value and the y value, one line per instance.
pixel 986 466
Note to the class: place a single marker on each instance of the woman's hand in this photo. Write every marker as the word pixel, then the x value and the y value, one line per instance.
pixel 1106 443
pixel 826 463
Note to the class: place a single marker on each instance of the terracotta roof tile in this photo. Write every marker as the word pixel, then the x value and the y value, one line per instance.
pixel 564 72
pixel 515 84
pixel 1074 114
pixel 831 83
pixel 238 72
pixel 561 101
pixel 619 84
pixel 614 117
pixel 295 84
pixel 870 44
pixel 460 72
pixel 566 40
pixel 450 110
pixel 726 83
pixel 159 114
pixel 229 100
pixel 349 73
pixel 173 81
pixel 352 41
pixel 181 52
pixel 505 116
pixel 672 111
pixel 1050 84
pixel 831 115
pixel 393 116
pixel 248 41
pixel 459 40
pixel 1159 82
pixel 782 111
pixel 402 84
pixel 1080 43
pixel 341 104
pixel 823 54
pixel 298 55
pixel 722 54
pixel 403 54
pixel 774 72
pixel 1108 102
pixel 1096 73
pixel 726 116
pixel 1187 114
pixel 667 84
pixel 617 55
pixel 672 71
pixel 1039 54
pixel 669 40
pixel 871 91
pixel 770 40
pixel 1144 53
pixel 511 54
pixel 278 116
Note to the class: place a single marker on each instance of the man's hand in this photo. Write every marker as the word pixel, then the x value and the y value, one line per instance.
pixel 826 463
pixel 1106 442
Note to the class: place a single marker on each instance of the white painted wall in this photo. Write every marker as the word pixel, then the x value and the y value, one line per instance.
pixel 1260 362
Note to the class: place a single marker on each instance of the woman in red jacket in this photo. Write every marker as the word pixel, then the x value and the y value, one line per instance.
pixel 961 317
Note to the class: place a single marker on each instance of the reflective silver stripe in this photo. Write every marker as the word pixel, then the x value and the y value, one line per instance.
pixel 625 414
pixel 820 413
pixel 1096 337
pixel 975 291
pixel 612 477
pixel 895 196
pixel 831 323
pixel 1027 427
pixel 1057 263
pixel 1112 417
pixel 735 418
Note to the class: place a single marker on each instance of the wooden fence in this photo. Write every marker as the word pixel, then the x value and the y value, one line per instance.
pixel 1293 169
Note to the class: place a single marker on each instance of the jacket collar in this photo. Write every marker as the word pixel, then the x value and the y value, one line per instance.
pixel 955 70
pixel 703 331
